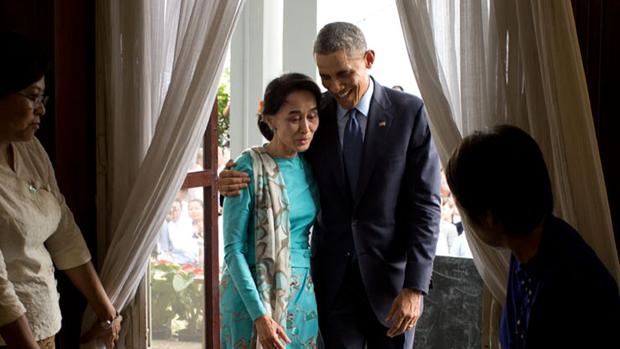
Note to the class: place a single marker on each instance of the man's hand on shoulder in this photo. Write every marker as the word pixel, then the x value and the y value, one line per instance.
pixel 230 182
pixel 405 312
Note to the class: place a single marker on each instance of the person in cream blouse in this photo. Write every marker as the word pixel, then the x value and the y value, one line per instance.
pixel 37 230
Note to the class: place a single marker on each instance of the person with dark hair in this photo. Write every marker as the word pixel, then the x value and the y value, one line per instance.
pixel 559 294
pixel 37 230
pixel 195 209
pixel 266 291
pixel 378 173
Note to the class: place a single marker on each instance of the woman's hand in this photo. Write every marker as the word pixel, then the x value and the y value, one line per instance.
pixel 270 333
pixel 109 335
pixel 86 280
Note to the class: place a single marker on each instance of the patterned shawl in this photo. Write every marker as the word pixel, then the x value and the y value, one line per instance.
pixel 272 226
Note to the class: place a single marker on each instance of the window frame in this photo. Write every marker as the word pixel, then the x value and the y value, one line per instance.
pixel 205 179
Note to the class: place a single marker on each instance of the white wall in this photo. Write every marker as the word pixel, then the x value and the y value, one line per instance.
pixel 276 36
pixel 300 23
pixel 379 21
pixel 271 37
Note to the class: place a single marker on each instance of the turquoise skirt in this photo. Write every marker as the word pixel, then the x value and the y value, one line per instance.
pixel 302 325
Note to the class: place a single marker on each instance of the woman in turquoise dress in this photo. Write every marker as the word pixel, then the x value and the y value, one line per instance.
pixel 266 292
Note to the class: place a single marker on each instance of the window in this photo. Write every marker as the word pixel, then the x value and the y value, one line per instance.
pixel 184 270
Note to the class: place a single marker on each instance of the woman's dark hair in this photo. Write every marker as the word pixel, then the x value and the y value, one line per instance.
pixel 501 172
pixel 22 62
pixel 276 93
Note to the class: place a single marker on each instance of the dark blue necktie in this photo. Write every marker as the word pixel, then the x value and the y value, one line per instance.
pixel 352 148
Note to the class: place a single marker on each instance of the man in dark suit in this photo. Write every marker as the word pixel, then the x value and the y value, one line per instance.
pixel 559 294
pixel 378 173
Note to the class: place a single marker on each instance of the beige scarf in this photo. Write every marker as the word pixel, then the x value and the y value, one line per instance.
pixel 272 227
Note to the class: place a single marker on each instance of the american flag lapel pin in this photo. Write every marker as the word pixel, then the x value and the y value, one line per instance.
pixel 382 123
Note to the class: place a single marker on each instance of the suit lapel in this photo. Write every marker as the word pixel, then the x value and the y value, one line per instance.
pixel 333 148
pixel 378 126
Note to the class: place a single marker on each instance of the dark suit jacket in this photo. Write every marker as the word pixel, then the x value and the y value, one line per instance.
pixel 391 222
pixel 577 304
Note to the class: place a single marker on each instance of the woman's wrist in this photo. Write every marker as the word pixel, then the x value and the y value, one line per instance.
pixel 85 278
pixel 261 318
pixel 106 312
pixel 106 322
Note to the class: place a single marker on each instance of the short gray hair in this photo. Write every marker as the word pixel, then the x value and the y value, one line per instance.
pixel 338 36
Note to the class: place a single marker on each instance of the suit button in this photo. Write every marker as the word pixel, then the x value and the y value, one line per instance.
pixel 348 254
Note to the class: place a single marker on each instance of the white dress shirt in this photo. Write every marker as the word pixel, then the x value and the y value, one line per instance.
pixel 363 107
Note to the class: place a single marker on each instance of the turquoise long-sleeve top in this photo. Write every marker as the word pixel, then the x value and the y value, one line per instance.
pixel 239 235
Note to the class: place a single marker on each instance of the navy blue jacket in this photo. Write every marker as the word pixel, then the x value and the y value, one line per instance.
pixel 577 303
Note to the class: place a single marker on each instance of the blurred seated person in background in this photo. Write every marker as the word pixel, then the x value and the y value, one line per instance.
pixel 460 247
pixel 163 241
pixel 183 244
pixel 451 241
pixel 559 294
pixel 196 213
pixel 447 231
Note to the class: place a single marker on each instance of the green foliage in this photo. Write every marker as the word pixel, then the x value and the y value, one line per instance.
pixel 223 119
pixel 162 294
pixel 176 294
pixel 188 284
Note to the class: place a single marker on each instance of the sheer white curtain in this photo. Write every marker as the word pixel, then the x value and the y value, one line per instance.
pixel 480 63
pixel 158 66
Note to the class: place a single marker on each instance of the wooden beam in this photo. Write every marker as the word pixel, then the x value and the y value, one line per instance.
pixel 211 241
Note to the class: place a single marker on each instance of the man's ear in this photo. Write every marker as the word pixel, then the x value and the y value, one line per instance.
pixel 369 58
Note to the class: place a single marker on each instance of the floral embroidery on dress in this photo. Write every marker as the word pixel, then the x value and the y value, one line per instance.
pixel 300 314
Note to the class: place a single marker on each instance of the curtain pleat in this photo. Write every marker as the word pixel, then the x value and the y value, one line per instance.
pixel 158 68
pixel 482 63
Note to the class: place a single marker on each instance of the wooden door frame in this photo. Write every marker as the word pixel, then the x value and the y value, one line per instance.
pixel 207 180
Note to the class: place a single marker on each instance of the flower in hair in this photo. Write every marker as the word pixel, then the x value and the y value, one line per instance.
pixel 261 105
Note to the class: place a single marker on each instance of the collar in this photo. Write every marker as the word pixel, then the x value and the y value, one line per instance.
pixel 545 247
pixel 363 106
